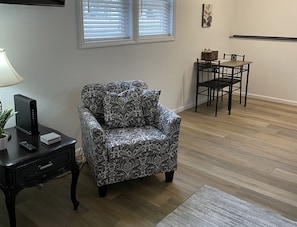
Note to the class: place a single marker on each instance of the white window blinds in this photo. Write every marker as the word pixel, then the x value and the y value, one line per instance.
pixel 125 22
pixel 106 20
pixel 155 17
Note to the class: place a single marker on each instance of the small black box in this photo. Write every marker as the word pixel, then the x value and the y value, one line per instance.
pixel 26 116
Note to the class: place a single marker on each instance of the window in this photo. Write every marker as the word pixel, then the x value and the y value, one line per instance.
pixel 106 20
pixel 155 18
pixel 121 22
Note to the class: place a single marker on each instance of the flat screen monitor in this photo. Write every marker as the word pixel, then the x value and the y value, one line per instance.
pixel 35 2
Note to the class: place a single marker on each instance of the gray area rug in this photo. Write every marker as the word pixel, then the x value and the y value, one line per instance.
pixel 209 207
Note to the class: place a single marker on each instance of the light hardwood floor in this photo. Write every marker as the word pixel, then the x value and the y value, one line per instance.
pixel 251 154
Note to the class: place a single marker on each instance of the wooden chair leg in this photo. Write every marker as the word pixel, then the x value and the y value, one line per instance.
pixel 169 176
pixel 102 191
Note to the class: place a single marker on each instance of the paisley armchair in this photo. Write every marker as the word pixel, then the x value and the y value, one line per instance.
pixel 127 133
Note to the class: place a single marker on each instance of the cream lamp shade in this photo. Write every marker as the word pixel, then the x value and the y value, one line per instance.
pixel 8 76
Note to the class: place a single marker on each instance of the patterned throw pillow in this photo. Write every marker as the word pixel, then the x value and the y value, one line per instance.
pixel 150 99
pixel 123 109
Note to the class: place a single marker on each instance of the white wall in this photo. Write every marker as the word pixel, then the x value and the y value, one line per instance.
pixel 42 45
pixel 274 71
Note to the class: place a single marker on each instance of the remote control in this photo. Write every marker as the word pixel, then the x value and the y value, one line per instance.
pixel 28 146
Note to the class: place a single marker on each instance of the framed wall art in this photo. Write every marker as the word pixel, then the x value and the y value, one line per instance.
pixel 206 15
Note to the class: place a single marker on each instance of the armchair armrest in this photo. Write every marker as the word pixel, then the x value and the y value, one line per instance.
pixel 93 135
pixel 93 144
pixel 168 121
pixel 90 123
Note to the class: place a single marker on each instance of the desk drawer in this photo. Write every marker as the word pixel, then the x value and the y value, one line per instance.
pixel 43 169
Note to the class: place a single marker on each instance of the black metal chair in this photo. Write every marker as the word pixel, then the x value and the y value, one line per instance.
pixel 211 84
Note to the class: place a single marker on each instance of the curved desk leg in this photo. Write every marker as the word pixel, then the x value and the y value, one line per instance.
pixel 246 84
pixel 10 195
pixel 75 174
pixel 230 92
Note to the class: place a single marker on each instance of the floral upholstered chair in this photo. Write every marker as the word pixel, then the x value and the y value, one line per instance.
pixel 127 133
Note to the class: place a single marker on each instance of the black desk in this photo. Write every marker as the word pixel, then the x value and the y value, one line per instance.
pixel 232 65
pixel 239 64
pixel 20 169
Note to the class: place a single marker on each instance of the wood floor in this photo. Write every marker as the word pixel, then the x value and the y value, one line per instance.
pixel 251 154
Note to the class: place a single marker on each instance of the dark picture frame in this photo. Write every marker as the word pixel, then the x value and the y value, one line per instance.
pixel 206 15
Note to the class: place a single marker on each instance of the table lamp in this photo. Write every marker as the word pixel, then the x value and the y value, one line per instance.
pixel 8 76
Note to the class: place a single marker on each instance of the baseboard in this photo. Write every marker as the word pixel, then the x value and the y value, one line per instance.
pixel 273 99
pixel 189 106
pixel 260 97
pixel 180 109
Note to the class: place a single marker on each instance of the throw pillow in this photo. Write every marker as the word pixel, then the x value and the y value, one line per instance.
pixel 123 109
pixel 150 99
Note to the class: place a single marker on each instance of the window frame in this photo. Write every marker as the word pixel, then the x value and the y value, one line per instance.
pixel 135 39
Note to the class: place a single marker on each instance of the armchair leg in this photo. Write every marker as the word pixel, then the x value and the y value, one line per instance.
pixel 169 176
pixel 102 190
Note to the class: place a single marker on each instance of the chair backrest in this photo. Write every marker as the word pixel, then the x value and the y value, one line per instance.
pixel 92 94
pixel 234 57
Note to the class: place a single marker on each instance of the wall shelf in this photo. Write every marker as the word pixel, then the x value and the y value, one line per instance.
pixel 273 38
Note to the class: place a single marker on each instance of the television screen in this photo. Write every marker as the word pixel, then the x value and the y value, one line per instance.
pixel 36 2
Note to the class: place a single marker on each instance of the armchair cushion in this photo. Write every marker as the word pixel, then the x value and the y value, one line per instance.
pixel 134 107
pixel 123 109
pixel 92 94
pixel 150 99
pixel 136 142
